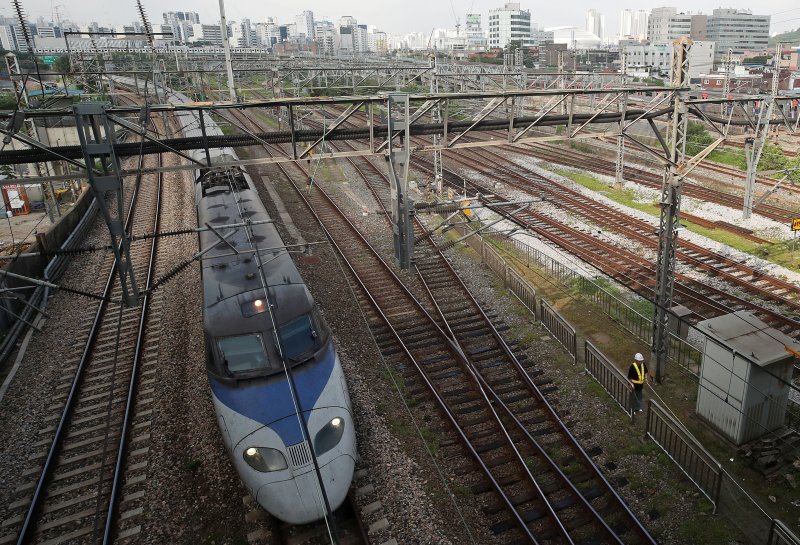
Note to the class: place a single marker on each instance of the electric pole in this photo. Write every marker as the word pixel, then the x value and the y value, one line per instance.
pixel 670 206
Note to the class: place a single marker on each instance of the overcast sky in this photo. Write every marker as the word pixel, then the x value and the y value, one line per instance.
pixel 392 16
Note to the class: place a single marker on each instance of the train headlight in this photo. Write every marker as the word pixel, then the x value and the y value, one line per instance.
pixel 264 459
pixel 329 436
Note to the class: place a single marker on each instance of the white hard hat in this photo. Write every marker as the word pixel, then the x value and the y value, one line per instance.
pixel 638 357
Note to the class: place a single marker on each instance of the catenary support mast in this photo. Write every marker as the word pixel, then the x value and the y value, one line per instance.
pixel 670 207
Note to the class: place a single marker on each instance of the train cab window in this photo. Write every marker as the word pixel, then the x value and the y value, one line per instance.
pixel 243 353
pixel 299 338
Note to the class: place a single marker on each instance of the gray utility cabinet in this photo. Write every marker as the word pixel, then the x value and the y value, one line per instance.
pixel 744 376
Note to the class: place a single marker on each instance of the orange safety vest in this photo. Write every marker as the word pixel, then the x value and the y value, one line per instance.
pixel 639 373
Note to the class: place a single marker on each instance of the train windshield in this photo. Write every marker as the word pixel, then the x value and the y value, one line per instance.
pixel 243 353
pixel 299 338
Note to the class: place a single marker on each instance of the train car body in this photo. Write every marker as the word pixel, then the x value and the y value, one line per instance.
pixel 273 370
pixel 250 360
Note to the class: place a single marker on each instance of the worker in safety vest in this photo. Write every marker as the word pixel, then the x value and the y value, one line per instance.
pixel 637 375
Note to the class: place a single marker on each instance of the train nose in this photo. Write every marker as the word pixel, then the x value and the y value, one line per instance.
pixel 298 501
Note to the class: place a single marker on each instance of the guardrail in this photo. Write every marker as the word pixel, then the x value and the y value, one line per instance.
pixel 695 461
pixel 639 325
pixel 559 327
pixel 780 534
pixel 494 261
pixel 609 377
pixel 521 289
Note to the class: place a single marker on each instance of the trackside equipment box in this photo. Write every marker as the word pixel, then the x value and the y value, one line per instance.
pixel 744 376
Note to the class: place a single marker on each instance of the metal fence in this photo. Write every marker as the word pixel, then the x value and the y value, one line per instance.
pixel 521 289
pixel 780 534
pixel 609 377
pixel 494 261
pixel 695 461
pixel 639 325
pixel 559 327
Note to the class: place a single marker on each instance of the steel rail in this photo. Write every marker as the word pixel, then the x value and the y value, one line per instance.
pixel 28 526
pixel 520 371
pixel 689 288
pixel 637 229
pixel 133 384
pixel 443 404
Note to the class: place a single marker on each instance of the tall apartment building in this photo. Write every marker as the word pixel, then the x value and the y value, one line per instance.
pixel 474 33
pixel 665 25
pixel 243 34
pixel 509 24
pixel 595 23
pixel 206 33
pixel 633 24
pixel 181 23
pixel 268 32
pixel 305 24
pixel 377 40
pixel 738 30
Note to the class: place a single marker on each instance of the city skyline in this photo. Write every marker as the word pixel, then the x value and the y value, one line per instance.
pixel 785 14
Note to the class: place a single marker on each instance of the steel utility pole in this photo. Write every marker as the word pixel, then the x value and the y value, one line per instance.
pixel 670 207
pixel 398 157
pixel 223 28
pixel 436 117
pixel 754 147
pixel 619 180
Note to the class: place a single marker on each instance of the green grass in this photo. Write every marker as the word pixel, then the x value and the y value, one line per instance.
pixel 431 439
pixel 714 530
pixel 733 158
pixel 622 196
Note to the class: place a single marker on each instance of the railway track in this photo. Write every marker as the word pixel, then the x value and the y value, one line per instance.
pixel 781 306
pixel 348 527
pixel 544 486
pixel 651 179
pixel 469 370
pixel 744 277
pixel 625 266
pixel 77 473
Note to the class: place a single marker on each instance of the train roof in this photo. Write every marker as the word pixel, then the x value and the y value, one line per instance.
pixel 231 280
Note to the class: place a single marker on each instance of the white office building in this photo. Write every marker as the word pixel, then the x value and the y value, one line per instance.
pixel 655 59
pixel 268 32
pixel 243 34
pixel 666 25
pixel 509 24
pixel 574 37
pixel 211 34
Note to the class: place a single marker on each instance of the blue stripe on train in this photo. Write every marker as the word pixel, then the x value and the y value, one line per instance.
pixel 270 402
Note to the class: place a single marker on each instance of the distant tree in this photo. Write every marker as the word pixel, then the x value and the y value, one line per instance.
pixel 62 65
